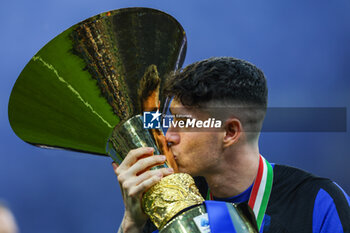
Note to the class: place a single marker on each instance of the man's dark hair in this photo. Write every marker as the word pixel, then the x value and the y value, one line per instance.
pixel 218 78
pixel 222 79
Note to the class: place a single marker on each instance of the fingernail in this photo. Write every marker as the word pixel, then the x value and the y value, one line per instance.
pixel 160 174
pixel 162 157
pixel 170 170
pixel 150 149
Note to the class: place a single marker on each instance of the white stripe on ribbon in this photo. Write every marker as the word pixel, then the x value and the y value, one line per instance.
pixel 261 191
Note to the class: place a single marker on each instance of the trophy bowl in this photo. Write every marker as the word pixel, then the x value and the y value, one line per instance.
pixel 84 82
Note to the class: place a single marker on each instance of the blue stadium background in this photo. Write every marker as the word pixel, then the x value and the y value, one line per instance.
pixel 302 46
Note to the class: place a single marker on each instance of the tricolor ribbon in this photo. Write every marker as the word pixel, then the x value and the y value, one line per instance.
pixel 259 197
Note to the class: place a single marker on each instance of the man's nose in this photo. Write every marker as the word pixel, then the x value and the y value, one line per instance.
pixel 172 138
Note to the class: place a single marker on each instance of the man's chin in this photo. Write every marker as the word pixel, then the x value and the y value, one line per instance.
pixel 181 169
pixel 184 170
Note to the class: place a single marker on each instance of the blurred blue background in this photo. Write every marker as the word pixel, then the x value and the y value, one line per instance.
pixel 302 46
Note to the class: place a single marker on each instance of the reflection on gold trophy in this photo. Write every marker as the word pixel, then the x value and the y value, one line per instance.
pixel 85 91
pixel 149 99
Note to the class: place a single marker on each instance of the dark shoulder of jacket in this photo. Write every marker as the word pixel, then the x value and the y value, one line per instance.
pixel 293 196
pixel 149 227
pixel 201 185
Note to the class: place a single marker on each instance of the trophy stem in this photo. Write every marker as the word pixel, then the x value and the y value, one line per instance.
pixel 128 136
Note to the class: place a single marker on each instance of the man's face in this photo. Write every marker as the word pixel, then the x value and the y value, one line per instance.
pixel 196 151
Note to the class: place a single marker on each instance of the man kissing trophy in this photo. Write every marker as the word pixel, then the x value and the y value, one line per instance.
pixel 87 90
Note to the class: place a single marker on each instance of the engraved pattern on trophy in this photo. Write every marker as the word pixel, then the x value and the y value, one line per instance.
pixel 170 196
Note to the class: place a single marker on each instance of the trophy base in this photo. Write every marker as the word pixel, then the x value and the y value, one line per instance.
pixel 195 220
pixel 170 196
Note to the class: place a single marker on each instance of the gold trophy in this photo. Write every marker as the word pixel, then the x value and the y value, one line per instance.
pixel 86 90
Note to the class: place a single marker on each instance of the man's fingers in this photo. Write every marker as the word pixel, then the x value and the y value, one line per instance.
pixel 130 184
pixel 115 166
pixel 146 163
pixel 148 174
pixel 134 155
pixel 143 186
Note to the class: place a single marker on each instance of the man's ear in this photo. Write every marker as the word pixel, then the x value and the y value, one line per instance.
pixel 233 131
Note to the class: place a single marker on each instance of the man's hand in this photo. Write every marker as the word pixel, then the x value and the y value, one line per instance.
pixel 135 178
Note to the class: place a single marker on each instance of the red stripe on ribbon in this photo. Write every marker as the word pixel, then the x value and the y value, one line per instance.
pixel 256 184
